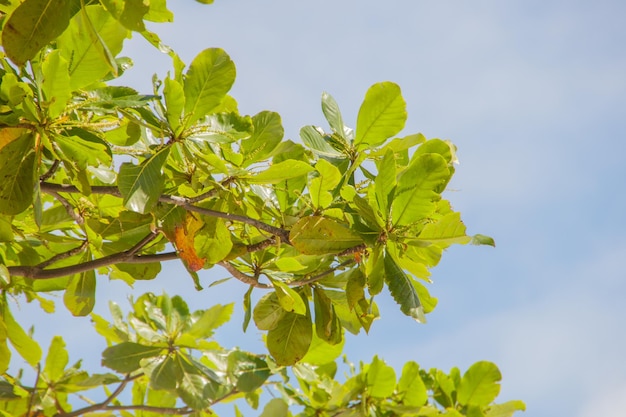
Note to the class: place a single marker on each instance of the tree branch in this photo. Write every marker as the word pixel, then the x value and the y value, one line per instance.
pixel 103 404
pixel 64 255
pixel 129 256
pixel 68 207
pixel 184 202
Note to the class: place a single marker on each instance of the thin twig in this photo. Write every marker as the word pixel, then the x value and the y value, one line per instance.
pixel 178 201
pixel 154 409
pixel 104 404
pixel 63 255
pixel 318 277
pixel 129 256
pixel 246 279
pixel 68 207
pixel 183 202
pixel 50 171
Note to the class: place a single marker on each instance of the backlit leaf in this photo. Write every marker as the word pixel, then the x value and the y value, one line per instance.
pixel 250 371
pixel 288 298
pixel 33 25
pixel 80 295
pixel 447 231
pixel 411 386
pixel 331 111
pixel 89 43
pixel 57 359
pixel 210 76
pixel 327 324
pixel 506 409
pixel 56 83
pixel 315 235
pixel 268 312
pixel 314 139
pixel 267 134
pixel 386 182
pixel 382 115
pixel 17 172
pixel 289 341
pixel 141 185
pixel 22 342
pixel 480 384
pixel 125 357
pixel 415 195
pixel 281 171
pixel 402 290
pixel 381 379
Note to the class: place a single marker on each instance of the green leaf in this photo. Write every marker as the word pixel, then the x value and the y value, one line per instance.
pixel 315 235
pixel 483 240
pixel 166 374
pixel 506 409
pixel 327 323
pixel 402 290
pixel 288 298
pixel 116 98
pixel 18 170
pixel 386 183
pixel 198 386
pixel 22 342
pixel 276 407
pixel 5 352
pixel 80 295
pixel 89 44
pixel 221 128
pixel 446 231
pixel 250 371
pixel 125 357
pixel 415 195
pixel 321 352
pixel 268 312
pixel 130 13
pixel 56 83
pixel 210 320
pixel 141 185
pixel 210 76
pixel 247 307
pixel 158 12
pixel 411 386
pixel 82 152
pixel 382 115
pixel 214 241
pixel 281 171
pixel 267 134
pixel 174 103
pixel 381 379
pixel 314 138
pixel 331 111
pixel 480 384
pixel 33 25
pixel 57 359
pixel 289 341
pixel 321 186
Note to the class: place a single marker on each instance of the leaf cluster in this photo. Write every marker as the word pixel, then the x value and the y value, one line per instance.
pixel 101 180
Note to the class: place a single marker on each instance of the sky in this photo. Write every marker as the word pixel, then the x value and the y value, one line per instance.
pixel 533 93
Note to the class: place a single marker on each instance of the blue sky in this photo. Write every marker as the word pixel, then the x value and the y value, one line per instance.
pixel 533 93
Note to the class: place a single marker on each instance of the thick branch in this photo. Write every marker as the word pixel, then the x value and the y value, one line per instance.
pixel 129 256
pixel 103 404
pixel 36 272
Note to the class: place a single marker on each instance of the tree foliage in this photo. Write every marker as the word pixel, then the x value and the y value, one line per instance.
pixel 100 180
